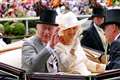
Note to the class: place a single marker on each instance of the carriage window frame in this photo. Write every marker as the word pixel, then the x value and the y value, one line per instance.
pixel 7 74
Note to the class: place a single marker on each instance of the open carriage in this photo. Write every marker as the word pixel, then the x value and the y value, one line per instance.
pixel 10 67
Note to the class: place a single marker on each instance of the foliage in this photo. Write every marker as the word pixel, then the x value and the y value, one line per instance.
pixel 32 31
pixel 16 28
pixel 8 30
pixel 1 29
pixel 116 2
pixel 19 28
pixel 32 23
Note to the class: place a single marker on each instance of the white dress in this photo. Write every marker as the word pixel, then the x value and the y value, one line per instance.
pixel 72 62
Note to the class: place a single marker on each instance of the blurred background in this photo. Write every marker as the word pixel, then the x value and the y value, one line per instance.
pixel 17 17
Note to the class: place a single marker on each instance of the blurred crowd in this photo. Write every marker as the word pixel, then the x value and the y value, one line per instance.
pixel 19 9
pixel 16 10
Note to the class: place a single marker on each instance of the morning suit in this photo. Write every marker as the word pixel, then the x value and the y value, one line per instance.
pixel 114 55
pixel 91 39
pixel 36 57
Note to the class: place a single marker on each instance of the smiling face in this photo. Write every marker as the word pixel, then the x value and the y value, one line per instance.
pixel 67 35
pixel 44 31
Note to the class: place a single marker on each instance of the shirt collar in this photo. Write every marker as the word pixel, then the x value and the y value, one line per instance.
pixel 97 27
pixel 117 36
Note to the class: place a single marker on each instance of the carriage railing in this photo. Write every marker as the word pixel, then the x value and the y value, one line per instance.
pixel 107 75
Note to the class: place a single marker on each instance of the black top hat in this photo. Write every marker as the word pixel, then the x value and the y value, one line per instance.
pixel 98 11
pixel 112 16
pixel 48 16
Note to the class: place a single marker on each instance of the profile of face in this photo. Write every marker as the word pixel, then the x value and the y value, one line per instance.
pixel 45 31
pixel 98 20
pixel 67 36
pixel 109 32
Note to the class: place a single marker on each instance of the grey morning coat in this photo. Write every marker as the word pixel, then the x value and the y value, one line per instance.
pixel 37 58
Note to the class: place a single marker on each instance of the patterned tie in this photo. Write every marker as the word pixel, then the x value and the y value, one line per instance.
pixel 52 64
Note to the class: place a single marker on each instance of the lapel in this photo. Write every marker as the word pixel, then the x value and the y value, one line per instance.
pixel 96 36
pixel 38 44
pixel 111 48
pixel 51 63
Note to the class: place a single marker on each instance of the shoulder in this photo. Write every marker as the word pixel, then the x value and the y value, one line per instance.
pixel 29 45
pixel 115 42
pixel 115 46
pixel 29 41
pixel 89 30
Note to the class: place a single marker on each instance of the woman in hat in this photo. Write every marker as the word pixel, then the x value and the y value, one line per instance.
pixel 70 55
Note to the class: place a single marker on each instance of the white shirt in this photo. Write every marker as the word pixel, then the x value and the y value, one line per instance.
pixel 101 34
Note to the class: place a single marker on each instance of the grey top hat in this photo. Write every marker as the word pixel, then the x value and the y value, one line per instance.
pixel 48 16
pixel 112 16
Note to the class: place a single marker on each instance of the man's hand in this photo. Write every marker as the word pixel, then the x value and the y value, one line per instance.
pixel 54 39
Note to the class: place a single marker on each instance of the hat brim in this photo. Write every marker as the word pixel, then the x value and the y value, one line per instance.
pixel 41 22
pixel 63 29
pixel 70 26
pixel 106 23
pixel 90 18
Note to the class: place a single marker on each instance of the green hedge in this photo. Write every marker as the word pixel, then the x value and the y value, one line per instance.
pixel 17 28
pixel 8 30
pixel 2 30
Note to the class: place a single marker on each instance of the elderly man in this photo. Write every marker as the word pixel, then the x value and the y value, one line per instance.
pixel 37 53
pixel 112 32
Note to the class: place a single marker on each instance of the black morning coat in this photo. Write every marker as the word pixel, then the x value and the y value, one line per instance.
pixel 114 55
pixel 91 39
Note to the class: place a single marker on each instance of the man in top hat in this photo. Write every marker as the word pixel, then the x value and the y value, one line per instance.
pixel 37 52
pixel 112 33
pixel 94 37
